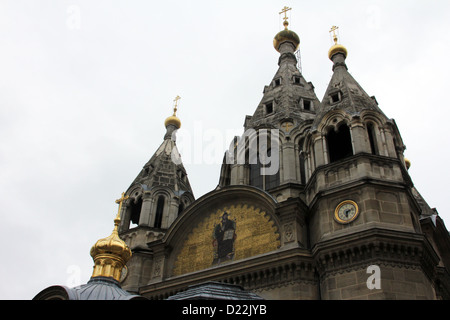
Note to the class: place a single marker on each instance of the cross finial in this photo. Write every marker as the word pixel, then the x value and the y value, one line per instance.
pixel 334 29
pixel 285 18
pixel 285 10
pixel 176 104
pixel 119 201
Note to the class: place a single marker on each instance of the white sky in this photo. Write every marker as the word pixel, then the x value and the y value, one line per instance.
pixel 85 87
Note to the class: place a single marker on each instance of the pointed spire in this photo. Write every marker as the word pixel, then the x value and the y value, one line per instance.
pixel 343 92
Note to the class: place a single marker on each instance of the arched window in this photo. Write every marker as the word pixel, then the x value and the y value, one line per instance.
pixel 302 162
pixel 262 181
pixel 159 211
pixel 339 143
pixel 135 211
pixel 372 138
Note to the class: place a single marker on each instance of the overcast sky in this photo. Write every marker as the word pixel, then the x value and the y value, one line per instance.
pixel 85 87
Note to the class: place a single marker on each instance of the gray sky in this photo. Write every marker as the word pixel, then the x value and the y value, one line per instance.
pixel 85 87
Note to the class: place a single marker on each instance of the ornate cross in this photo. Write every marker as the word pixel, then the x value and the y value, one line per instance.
pixel 285 10
pixel 176 104
pixel 119 201
pixel 286 126
pixel 333 29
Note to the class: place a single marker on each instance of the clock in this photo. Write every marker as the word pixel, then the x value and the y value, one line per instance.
pixel 346 212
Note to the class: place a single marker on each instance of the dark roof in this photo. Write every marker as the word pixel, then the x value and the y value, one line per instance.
pixel 98 288
pixel 215 291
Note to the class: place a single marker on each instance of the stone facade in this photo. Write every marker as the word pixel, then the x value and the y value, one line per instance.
pixel 280 236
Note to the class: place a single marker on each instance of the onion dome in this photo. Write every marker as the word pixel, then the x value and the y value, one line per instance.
pixel 173 119
pixel 407 163
pixel 286 36
pixel 336 48
pixel 111 253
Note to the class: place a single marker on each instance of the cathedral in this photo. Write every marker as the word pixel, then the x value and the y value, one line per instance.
pixel 314 202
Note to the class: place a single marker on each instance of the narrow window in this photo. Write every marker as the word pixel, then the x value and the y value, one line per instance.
pixel 180 208
pixel 256 179
pixel 269 108
pixel 339 143
pixel 372 139
pixel 271 181
pixel 261 181
pixel 296 80
pixel 307 105
pixel 159 211
pixel 302 162
pixel 335 98
pixel 135 211
pixel 277 82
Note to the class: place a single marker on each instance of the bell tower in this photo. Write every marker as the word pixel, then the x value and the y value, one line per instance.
pixel 156 197
pixel 362 209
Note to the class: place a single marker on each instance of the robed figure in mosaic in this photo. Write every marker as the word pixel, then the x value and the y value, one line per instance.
pixel 223 240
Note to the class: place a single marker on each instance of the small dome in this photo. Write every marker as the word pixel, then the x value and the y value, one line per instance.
pixel 173 120
pixel 110 254
pixel 407 164
pixel 286 35
pixel 112 245
pixel 337 48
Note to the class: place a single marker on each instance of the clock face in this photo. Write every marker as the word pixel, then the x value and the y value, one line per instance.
pixel 346 211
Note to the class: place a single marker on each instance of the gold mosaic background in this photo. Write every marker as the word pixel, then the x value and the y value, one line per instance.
pixel 256 234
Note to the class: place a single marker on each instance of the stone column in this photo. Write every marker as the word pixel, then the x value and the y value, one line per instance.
pixel 144 219
pixel 288 164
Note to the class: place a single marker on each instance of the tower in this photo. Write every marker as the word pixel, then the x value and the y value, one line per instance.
pixel 155 198
pixel 362 211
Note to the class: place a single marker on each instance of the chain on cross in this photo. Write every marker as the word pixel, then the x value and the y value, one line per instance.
pixel 176 105
pixel 334 29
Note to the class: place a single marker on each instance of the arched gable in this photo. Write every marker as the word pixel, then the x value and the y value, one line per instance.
pixel 225 225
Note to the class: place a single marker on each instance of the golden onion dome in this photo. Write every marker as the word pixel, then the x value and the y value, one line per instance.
pixel 111 254
pixel 112 245
pixel 173 120
pixel 286 35
pixel 337 48
pixel 407 163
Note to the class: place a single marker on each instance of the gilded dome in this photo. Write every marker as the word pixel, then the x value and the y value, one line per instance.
pixel 110 254
pixel 337 48
pixel 112 245
pixel 173 120
pixel 286 35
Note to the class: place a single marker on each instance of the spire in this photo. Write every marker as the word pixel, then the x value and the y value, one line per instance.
pixel 111 253
pixel 289 94
pixel 343 92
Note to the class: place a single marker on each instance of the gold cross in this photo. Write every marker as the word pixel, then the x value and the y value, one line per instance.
pixel 333 29
pixel 285 10
pixel 176 104
pixel 119 201
pixel 286 126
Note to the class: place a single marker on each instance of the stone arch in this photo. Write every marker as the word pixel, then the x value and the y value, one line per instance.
pixel 257 229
